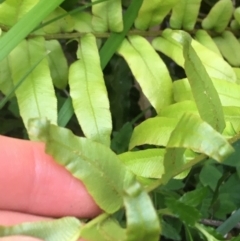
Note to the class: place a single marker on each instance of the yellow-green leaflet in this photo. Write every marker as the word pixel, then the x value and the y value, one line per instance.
pixel 229 47
pixel 229 93
pixel 176 110
pixel 106 52
pixel 184 14
pixel 231 115
pixel 36 95
pixel 88 92
pixel 170 43
pixel 219 16
pixel 153 12
pixel 192 132
pixel 57 63
pixel 202 88
pixel 25 25
pixel 62 25
pixel 153 131
pixel 206 40
pixel 149 70
pixel 82 22
pixel 107 16
pixel 63 229
pixel 101 171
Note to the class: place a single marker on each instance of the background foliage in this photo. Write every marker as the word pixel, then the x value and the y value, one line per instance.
pixel 153 88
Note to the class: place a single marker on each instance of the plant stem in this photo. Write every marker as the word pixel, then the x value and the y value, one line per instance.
pixel 96 34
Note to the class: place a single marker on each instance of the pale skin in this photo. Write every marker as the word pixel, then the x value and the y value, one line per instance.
pixel 34 187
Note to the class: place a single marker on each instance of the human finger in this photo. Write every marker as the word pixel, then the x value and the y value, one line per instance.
pixel 32 182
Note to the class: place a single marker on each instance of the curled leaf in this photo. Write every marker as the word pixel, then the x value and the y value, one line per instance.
pixel 93 163
pixel 142 220
pixel 191 132
pixel 64 229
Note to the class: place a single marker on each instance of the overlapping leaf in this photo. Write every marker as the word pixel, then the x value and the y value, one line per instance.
pixel 120 140
pixel 107 51
pixel 142 219
pixel 203 37
pixel 95 164
pixel 228 92
pixel 219 16
pixel 149 70
pixel 229 47
pixel 64 229
pixel 6 82
pixel 184 14
pixel 237 72
pixel 147 163
pixel 12 11
pixel 170 43
pixel 82 22
pixel 155 131
pixel 103 228
pixel 107 16
pixel 178 109
pixel 36 97
pixel 174 162
pixel 88 92
pixel 57 64
pixel 202 88
pixel 64 24
pixel 191 132
pixel 104 176
pixel 231 113
pixel 152 13
pixel 26 24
